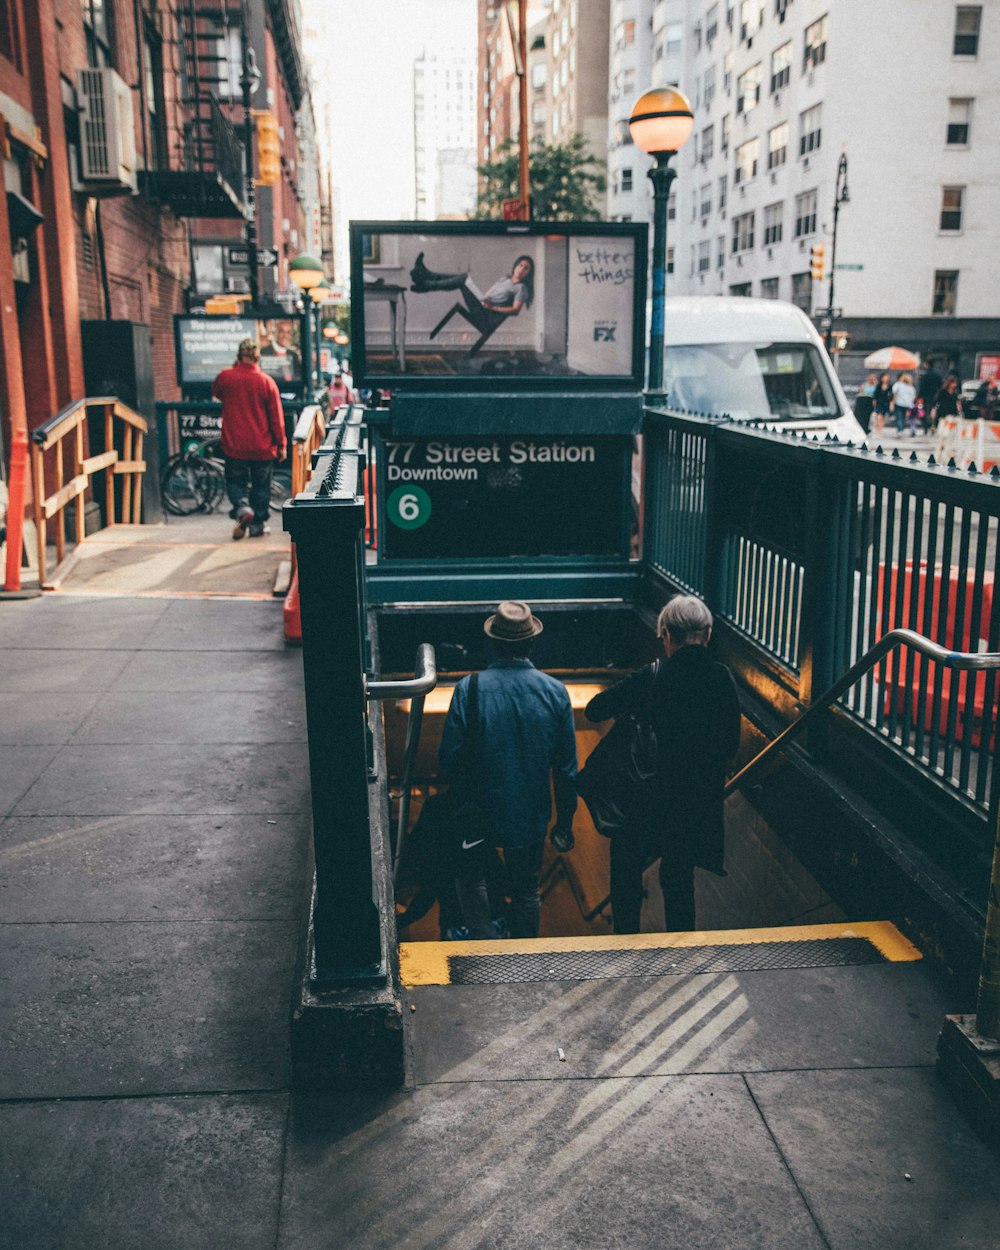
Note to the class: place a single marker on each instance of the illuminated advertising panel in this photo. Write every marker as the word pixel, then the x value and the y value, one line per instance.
pixel 447 305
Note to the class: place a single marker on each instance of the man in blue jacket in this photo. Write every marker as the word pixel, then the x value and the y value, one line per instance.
pixel 525 732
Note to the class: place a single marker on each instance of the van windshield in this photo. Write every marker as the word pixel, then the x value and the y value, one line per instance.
pixel 750 381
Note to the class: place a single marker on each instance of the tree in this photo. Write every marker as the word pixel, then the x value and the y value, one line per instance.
pixel 566 180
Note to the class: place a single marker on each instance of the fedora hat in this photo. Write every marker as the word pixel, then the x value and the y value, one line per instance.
pixel 512 622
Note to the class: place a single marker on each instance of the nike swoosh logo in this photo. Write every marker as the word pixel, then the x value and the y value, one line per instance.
pixel 467 846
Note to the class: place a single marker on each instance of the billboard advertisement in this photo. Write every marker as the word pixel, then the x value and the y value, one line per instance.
pixel 207 345
pixel 448 305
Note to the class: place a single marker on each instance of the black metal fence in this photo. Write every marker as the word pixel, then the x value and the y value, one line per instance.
pixel 809 552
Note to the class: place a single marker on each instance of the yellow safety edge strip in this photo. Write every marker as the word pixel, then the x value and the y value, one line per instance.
pixel 426 963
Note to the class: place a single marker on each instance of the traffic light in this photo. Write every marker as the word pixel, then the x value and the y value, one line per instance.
pixel 268 149
pixel 817 261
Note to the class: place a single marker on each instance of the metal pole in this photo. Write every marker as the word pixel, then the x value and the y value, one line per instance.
pixel 523 171
pixel 839 197
pixel 249 79
pixel 988 1001
pixel 307 360
pixel 661 176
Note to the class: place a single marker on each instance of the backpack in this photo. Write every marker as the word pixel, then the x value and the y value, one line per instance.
pixel 618 781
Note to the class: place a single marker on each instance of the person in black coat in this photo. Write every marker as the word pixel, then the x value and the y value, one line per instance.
pixel 695 709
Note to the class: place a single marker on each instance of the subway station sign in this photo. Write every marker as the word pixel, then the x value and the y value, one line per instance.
pixel 495 497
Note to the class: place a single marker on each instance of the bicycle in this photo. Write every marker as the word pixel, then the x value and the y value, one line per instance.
pixel 194 480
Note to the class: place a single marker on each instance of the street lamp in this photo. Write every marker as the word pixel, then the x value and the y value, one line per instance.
pixel 306 272
pixel 319 294
pixel 660 124
pixel 840 196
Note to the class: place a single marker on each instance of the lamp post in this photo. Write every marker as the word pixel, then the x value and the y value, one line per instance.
pixel 249 82
pixel 840 196
pixel 660 124
pixel 319 294
pixel 306 272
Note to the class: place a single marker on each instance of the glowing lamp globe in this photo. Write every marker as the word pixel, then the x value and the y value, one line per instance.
pixel 306 272
pixel 661 120
pixel 320 292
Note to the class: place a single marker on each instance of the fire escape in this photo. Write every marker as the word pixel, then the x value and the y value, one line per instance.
pixel 196 167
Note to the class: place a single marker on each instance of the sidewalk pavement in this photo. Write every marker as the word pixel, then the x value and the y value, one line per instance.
pixel 154 822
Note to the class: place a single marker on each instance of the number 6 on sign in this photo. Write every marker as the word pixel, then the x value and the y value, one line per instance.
pixel 408 507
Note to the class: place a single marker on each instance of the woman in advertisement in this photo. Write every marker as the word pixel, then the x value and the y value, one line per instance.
pixel 484 312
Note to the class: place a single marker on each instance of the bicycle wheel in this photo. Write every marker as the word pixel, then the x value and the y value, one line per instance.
pixel 187 483
pixel 281 486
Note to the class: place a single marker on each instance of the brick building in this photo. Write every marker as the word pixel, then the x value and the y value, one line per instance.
pixel 122 124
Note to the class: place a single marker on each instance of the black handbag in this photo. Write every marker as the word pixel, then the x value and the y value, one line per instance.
pixel 618 781
pixel 472 829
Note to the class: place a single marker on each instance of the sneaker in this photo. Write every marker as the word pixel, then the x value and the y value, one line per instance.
pixel 244 522
pixel 258 530
pixel 458 933
pixel 500 927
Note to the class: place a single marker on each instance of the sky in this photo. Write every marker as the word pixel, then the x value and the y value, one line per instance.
pixel 370 75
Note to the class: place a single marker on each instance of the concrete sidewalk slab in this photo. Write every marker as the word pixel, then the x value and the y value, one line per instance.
pixel 145 779
pixel 195 716
pixel 150 1173
pixel 36 671
pixel 177 671
pixel 657 1162
pixel 84 624
pixel 177 867
pixel 111 1009
pixel 731 1022
pixel 212 625
pixel 20 768
pixel 44 717
pixel 883 1158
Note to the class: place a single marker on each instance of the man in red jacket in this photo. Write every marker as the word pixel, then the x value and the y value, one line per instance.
pixel 253 437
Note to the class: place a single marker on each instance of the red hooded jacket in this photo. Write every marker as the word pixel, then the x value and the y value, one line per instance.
pixel 253 421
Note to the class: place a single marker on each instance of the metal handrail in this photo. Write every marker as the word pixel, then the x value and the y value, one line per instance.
pixel 988 999
pixel 422 683
pixel 962 661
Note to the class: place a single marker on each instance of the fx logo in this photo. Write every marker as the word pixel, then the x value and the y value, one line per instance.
pixel 604 334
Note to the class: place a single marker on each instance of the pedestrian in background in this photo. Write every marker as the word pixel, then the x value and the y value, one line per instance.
pixel 864 401
pixel 930 383
pixel 904 396
pixel 340 392
pixel 881 403
pixel 525 734
pixel 253 437
pixel 947 402
pixel 692 702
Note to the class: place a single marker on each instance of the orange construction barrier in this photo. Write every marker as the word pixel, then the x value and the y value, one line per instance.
pixel 969 688
pixel 292 613
pixel 15 508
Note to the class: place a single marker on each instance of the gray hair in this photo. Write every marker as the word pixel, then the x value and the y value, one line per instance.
pixel 686 620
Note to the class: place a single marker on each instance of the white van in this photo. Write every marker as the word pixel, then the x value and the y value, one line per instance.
pixel 753 360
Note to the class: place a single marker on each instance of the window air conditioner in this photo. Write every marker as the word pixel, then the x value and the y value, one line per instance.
pixel 107 131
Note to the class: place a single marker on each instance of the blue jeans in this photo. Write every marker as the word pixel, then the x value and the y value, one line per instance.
pixel 523 864
pixel 248 485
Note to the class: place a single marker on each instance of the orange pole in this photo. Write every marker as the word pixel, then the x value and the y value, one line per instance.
pixel 15 506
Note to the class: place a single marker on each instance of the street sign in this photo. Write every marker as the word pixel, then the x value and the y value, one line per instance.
pixel 267 257
pixel 827 312
pixel 512 210
pixel 839 266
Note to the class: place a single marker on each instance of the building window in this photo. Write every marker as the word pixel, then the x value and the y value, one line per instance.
pixel 727 72
pixel 748 89
pixel 781 66
pixel 706 199
pixel 97 29
pixel 539 73
pixel 707 143
pixel 10 34
pixel 951 209
pixel 959 121
pixel 704 256
pixel 810 129
pixel 805 214
pixel 814 52
pixel 772 224
pixel 694 204
pixel 723 183
pixel 624 34
pixel 777 146
pixel 945 292
pixel 626 180
pixel 743 232
pixel 658 51
pixel 747 155
pixel 802 291
pixel 741 289
pixel 623 134
pixel 725 127
pixel 712 23
pixel 675 38
pixel 709 89
pixel 672 206
pixel 750 18
pixel 670 260
pixel 967 19
pixel 769 288
pixel 720 252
